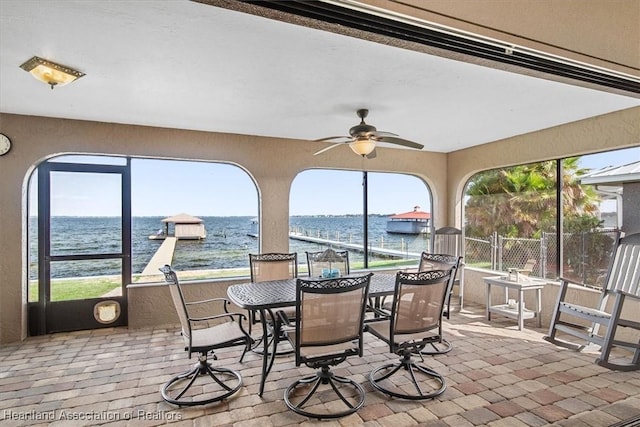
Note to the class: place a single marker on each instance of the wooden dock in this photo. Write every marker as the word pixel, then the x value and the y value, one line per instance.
pixel 164 255
pixel 391 253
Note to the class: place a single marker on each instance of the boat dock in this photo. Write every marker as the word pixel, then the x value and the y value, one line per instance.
pixel 392 253
pixel 163 256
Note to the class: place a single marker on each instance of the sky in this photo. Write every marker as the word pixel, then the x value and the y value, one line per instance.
pixel 168 187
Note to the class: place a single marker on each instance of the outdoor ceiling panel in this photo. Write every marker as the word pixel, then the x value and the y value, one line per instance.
pixel 479 48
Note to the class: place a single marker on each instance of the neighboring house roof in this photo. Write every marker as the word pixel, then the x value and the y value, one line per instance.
pixel 183 218
pixel 416 213
pixel 613 175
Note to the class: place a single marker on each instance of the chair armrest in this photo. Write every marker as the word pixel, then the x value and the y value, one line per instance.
pixel 241 317
pixel 573 282
pixel 224 301
pixel 284 319
pixel 626 294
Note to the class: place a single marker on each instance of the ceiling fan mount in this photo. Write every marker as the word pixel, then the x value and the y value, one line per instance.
pixel 362 129
pixel 364 137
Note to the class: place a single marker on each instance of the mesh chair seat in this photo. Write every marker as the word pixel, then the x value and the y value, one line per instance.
pixel 224 333
pixel 381 330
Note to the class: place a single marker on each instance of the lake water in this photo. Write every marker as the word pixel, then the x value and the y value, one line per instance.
pixel 227 244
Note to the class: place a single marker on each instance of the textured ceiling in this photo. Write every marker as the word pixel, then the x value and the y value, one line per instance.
pixel 187 65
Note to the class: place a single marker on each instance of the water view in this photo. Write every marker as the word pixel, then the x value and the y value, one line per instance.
pixel 227 244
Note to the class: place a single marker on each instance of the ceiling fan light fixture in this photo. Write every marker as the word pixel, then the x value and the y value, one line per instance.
pixel 50 73
pixel 362 146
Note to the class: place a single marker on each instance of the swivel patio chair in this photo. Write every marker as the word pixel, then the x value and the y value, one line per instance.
pixel 204 335
pixel 272 266
pixel 438 262
pixel 328 263
pixel 442 261
pixel 328 330
pixel 448 240
pixel 582 322
pixel 415 322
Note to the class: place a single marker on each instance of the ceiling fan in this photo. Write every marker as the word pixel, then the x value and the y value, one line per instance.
pixel 363 138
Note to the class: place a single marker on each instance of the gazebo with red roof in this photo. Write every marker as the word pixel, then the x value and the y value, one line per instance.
pixel 413 222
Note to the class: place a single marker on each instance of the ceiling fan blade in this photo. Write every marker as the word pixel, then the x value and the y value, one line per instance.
pixel 380 134
pixel 329 138
pixel 326 149
pixel 400 141
pixel 371 155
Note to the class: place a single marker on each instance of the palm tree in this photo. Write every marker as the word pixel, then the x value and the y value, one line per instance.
pixel 520 201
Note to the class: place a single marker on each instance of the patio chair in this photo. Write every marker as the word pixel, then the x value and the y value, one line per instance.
pixel 443 262
pixel 622 284
pixel 328 330
pixel 415 322
pixel 526 269
pixel 448 240
pixel 328 263
pixel 272 266
pixel 204 335
pixel 438 262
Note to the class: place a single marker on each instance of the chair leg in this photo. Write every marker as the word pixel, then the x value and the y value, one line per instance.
pixel 324 377
pixel 441 347
pixel 175 391
pixel 276 328
pixel 428 377
pixel 609 342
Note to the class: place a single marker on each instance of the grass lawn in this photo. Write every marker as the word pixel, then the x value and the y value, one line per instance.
pixel 93 287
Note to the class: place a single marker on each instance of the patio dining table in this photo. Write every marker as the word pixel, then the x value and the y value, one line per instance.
pixel 268 296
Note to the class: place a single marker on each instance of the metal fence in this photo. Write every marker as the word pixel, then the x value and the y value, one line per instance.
pixel 586 259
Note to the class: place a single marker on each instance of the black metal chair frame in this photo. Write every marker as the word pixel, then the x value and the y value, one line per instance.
pixel 274 323
pixel 429 262
pixel 405 349
pixel 172 391
pixel 426 263
pixel 622 283
pixel 322 363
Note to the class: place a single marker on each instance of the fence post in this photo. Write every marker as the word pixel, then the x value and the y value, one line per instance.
pixel 543 257
pixel 500 252
pixel 583 257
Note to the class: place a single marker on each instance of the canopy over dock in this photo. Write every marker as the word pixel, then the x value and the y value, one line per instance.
pixel 184 227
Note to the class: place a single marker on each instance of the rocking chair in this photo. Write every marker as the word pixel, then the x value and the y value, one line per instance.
pixel 622 284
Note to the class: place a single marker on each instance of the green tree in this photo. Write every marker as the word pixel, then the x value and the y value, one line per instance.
pixel 520 201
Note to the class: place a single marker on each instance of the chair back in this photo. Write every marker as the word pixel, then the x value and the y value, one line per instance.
pixel 441 262
pixel 330 311
pixel 273 266
pixel 418 302
pixel 438 261
pixel 527 269
pixel 328 263
pixel 624 274
pixel 179 302
pixel 448 240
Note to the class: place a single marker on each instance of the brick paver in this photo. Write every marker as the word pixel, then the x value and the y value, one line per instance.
pixel 496 376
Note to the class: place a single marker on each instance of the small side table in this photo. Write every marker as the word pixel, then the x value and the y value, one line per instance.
pixel 518 312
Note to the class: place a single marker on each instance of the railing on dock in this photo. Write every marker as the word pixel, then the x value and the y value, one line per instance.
pixel 381 251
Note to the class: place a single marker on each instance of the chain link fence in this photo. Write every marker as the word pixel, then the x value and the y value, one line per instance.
pixel 586 255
